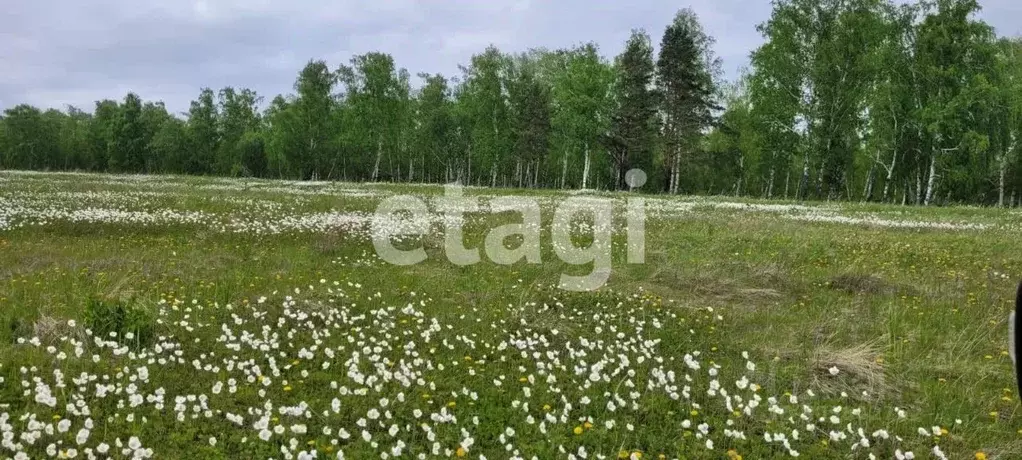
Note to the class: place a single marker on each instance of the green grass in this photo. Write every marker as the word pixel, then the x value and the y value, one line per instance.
pixel 912 319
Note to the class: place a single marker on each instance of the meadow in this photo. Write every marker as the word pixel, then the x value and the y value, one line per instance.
pixel 176 317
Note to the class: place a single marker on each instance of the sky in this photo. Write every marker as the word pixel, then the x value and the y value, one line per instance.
pixel 55 53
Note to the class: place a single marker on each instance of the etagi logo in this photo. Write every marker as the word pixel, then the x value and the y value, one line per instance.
pixel 402 216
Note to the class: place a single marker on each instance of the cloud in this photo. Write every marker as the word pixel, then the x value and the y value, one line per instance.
pixel 62 52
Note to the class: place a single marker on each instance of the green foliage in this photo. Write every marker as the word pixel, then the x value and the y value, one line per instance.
pixel 118 321
pixel 583 104
pixel 309 124
pixel 251 153
pixel 170 146
pixel 101 135
pixel 28 141
pixel 734 148
pixel 530 100
pixel 128 145
pixel 634 122
pixel 203 134
pixel 686 70
pixel 377 111
pixel 485 98
pixel 435 131
pixel 238 118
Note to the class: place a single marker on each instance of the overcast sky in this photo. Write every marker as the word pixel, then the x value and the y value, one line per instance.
pixel 54 53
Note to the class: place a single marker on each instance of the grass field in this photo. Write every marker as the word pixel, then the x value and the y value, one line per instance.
pixel 173 317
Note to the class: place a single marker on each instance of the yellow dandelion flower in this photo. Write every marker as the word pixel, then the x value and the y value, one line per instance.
pixel 578 430
pixel 981 456
pixel 461 452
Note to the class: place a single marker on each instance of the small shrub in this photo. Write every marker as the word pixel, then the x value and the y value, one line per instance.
pixel 17 327
pixel 106 316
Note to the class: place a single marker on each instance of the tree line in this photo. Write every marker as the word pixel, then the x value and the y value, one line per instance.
pixel 875 100
pixel 846 100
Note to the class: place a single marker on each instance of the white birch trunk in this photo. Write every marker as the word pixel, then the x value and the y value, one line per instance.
pixel 585 169
pixel 804 185
pixel 1004 171
pixel 676 173
pixel 867 193
pixel 741 175
pixel 379 155
pixel 890 173
pixel 931 182
pixel 787 178
pixel 919 188
pixel 564 170
pixel 1000 181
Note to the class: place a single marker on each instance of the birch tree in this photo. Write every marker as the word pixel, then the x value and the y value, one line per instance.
pixel 377 97
pixel 582 102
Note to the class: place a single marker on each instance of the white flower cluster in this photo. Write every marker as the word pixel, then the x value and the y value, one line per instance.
pixel 339 369
pixel 675 208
